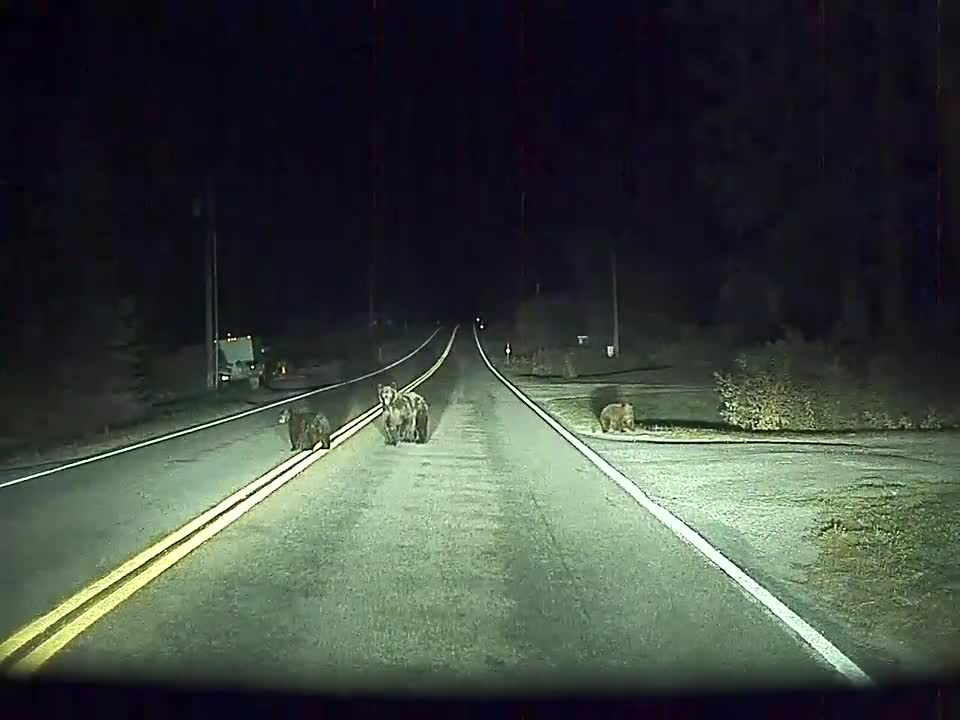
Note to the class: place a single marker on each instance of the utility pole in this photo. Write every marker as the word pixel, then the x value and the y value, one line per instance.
pixel 376 157
pixel 216 286
pixel 823 95
pixel 521 115
pixel 616 309
pixel 462 206
pixel 938 252
pixel 210 276
pixel 523 242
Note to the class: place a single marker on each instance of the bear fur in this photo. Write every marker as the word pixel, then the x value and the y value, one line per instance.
pixel 406 416
pixel 618 417
pixel 308 430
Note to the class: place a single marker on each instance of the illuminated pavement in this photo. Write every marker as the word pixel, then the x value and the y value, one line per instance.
pixel 493 556
pixel 62 531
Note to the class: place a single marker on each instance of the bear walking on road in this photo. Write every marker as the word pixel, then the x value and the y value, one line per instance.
pixel 406 416
pixel 308 430
pixel 417 426
pixel 618 417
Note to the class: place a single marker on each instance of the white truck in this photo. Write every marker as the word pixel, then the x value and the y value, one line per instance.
pixel 240 358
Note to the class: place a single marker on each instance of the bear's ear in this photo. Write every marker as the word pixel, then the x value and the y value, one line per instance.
pixel 393 385
pixel 379 387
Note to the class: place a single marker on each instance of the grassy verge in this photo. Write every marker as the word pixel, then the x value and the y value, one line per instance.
pixel 683 414
pixel 890 562
pixel 790 385
pixel 26 450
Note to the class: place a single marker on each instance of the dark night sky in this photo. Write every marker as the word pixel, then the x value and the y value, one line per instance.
pixel 275 100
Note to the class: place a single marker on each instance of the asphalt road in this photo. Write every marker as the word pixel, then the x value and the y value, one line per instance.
pixel 62 531
pixel 493 557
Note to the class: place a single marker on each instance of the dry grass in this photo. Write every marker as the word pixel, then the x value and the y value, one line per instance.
pixel 27 448
pixel 670 412
pixel 891 562
pixel 576 413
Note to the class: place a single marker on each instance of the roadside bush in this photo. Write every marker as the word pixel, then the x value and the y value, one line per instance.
pixel 933 420
pixel 760 394
pixel 790 384
pixel 793 384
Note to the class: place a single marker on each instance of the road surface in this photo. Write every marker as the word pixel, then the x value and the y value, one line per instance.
pixel 493 557
pixel 60 532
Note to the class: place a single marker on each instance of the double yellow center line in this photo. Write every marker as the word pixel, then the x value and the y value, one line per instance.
pixel 50 633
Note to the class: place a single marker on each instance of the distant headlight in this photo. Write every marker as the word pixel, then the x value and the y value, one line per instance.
pixel 224 378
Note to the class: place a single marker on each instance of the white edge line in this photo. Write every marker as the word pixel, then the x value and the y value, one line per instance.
pixel 823 647
pixel 212 423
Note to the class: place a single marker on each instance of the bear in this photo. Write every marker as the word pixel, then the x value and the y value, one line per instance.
pixel 320 426
pixel 418 427
pixel 406 416
pixel 308 430
pixel 617 416
pixel 393 422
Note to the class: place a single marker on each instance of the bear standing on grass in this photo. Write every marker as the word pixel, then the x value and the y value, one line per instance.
pixel 405 415
pixel 617 416
pixel 308 430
